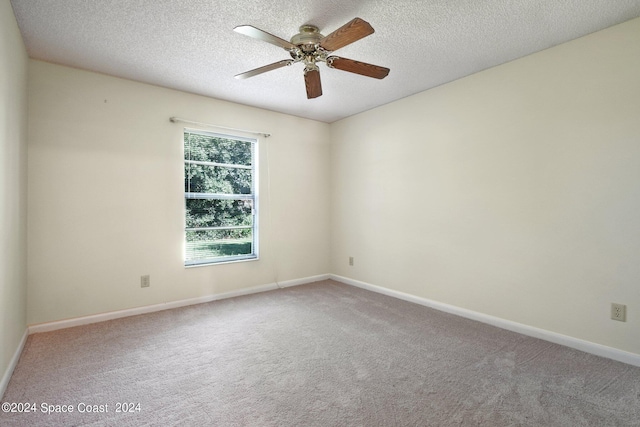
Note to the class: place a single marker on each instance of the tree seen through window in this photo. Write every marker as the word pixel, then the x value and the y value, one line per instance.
pixel 220 210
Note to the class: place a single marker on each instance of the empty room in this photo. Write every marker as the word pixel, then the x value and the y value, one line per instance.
pixel 359 213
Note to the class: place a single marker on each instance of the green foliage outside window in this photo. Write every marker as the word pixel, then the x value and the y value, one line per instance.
pixel 219 196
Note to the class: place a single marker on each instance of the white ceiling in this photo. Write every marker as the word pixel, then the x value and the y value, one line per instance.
pixel 190 45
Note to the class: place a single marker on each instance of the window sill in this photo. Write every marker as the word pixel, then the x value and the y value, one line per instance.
pixel 231 261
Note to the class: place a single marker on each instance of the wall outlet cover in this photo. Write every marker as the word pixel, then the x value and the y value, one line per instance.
pixel 619 312
pixel 145 281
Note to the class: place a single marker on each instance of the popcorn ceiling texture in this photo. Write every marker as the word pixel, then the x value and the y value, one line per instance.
pixel 190 45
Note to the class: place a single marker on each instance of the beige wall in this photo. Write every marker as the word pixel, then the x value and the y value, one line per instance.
pixel 106 195
pixel 514 192
pixel 13 186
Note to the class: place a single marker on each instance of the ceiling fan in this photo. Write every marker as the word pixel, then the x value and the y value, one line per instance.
pixel 310 47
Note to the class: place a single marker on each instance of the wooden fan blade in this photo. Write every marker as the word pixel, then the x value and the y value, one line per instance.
pixel 312 82
pixel 264 69
pixel 259 34
pixel 350 32
pixel 357 67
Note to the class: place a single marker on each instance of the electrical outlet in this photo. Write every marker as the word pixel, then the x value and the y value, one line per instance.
pixel 350 260
pixel 619 312
pixel 145 281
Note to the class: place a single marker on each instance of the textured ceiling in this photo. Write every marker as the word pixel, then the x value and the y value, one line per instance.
pixel 190 45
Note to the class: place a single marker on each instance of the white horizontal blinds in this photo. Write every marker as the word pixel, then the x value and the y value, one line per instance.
pixel 223 128
pixel 220 198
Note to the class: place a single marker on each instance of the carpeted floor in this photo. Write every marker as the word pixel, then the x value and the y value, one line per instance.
pixel 324 354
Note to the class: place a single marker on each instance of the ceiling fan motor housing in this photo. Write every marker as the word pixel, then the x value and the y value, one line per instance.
pixel 308 38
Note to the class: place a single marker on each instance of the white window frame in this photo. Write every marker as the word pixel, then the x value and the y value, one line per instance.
pixel 254 255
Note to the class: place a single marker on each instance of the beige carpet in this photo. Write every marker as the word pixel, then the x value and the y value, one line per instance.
pixel 324 354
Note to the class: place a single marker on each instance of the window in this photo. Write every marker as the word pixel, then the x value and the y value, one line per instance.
pixel 220 194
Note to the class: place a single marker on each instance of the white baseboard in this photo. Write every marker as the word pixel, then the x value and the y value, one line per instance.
pixel 304 280
pixel 576 343
pixel 13 363
pixel 85 320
